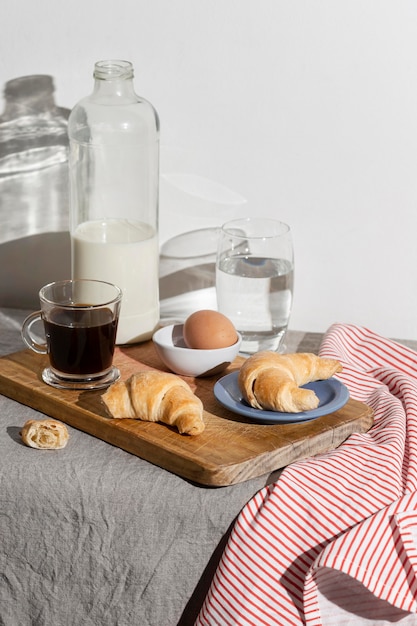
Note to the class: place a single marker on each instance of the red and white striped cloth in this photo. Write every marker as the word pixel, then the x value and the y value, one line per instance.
pixel 334 540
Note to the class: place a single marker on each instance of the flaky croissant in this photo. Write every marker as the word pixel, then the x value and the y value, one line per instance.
pixel 156 397
pixel 46 434
pixel 272 381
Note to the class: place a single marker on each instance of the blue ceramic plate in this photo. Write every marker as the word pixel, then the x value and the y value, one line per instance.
pixel 332 395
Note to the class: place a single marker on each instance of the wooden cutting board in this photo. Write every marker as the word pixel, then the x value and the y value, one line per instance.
pixel 230 450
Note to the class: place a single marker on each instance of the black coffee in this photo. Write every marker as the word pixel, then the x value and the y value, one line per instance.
pixel 80 342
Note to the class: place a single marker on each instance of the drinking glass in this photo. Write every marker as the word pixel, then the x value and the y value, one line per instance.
pixel 187 274
pixel 254 280
pixel 80 320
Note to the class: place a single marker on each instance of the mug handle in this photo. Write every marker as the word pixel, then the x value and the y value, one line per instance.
pixel 27 336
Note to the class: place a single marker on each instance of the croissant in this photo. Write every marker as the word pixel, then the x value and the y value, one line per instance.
pixel 271 381
pixel 156 397
pixel 47 434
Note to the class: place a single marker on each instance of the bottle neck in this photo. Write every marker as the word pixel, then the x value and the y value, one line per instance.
pixel 112 70
pixel 113 77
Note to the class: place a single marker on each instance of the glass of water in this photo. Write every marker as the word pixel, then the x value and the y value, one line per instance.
pixel 255 279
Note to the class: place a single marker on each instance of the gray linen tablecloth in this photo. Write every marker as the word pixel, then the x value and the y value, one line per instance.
pixel 91 535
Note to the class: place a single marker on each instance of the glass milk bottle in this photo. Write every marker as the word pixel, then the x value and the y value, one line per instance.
pixel 114 171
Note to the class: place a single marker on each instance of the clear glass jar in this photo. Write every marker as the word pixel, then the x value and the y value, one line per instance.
pixel 114 182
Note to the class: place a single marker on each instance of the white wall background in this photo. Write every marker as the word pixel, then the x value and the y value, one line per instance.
pixel 302 110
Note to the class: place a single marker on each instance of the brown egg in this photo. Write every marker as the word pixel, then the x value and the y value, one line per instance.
pixel 208 330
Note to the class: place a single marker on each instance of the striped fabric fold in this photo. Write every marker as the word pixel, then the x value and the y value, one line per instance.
pixel 334 540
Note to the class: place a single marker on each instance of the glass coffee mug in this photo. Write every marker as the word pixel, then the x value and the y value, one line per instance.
pixel 80 320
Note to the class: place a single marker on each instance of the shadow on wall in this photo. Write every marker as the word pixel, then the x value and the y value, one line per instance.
pixel 34 237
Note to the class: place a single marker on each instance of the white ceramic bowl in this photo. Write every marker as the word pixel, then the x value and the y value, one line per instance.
pixel 171 348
